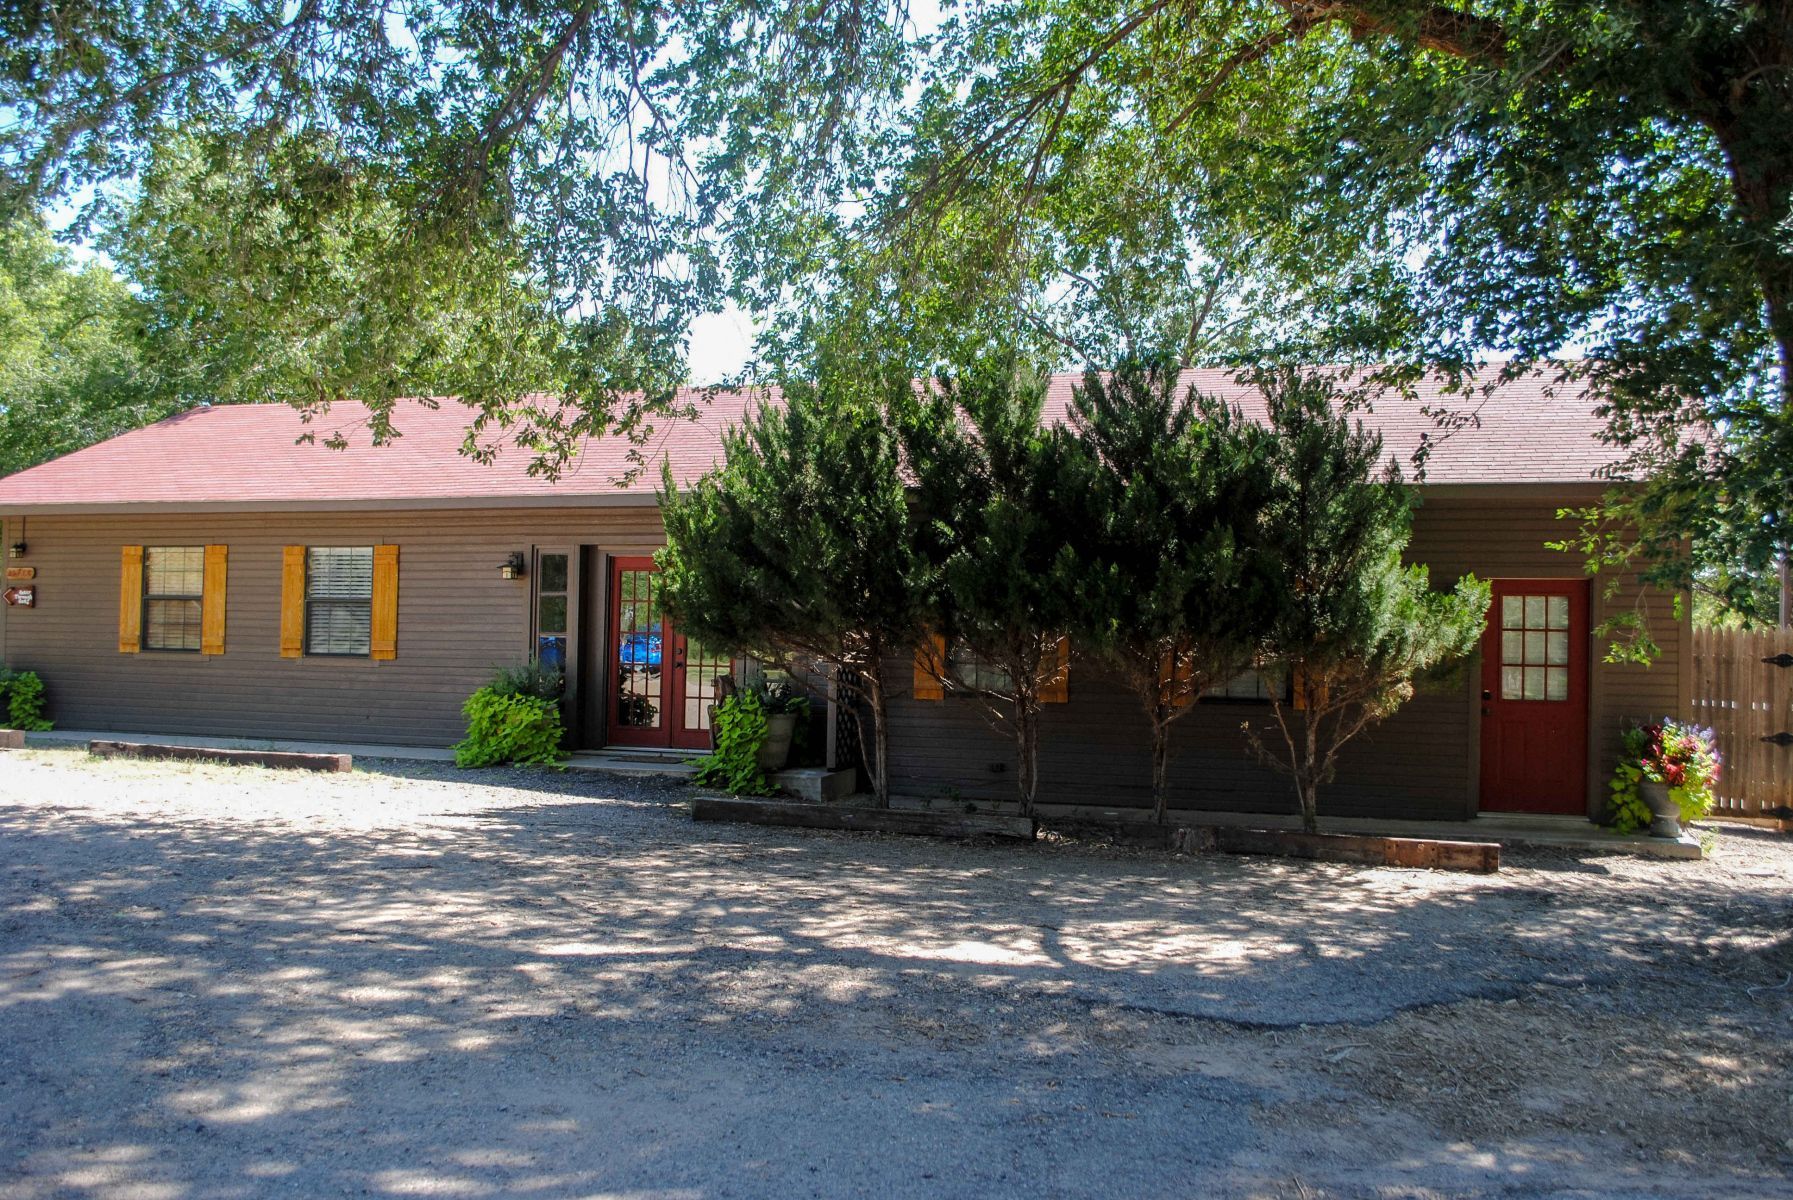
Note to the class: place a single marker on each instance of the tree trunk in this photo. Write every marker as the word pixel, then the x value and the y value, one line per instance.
pixel 874 686
pixel 1027 744
pixel 1160 767
pixel 1307 781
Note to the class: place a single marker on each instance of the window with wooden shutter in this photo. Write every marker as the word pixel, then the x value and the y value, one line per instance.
pixel 173 597
pixel 339 593
pixel 130 600
pixel 1253 684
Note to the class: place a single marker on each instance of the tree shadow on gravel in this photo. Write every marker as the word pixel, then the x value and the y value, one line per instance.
pixel 586 991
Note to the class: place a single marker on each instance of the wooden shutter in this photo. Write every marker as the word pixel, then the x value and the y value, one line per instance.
pixel 130 600
pixel 383 643
pixel 1298 691
pixel 930 664
pixel 292 602
pixel 211 603
pixel 1175 676
pixel 1057 688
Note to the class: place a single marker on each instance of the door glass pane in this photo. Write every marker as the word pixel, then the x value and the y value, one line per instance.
pixel 1556 683
pixel 702 668
pixel 1534 612
pixel 1511 612
pixel 1512 683
pixel 1559 649
pixel 1559 612
pixel 1534 683
pixel 639 673
pixel 1534 648
pixel 1512 646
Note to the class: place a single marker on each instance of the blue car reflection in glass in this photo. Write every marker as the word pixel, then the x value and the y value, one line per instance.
pixel 551 651
pixel 639 650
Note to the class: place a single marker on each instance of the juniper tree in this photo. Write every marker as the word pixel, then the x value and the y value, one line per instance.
pixel 800 546
pixel 990 487
pixel 1347 620
pixel 1172 484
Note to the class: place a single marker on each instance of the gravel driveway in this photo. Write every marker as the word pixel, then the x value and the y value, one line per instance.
pixel 231 982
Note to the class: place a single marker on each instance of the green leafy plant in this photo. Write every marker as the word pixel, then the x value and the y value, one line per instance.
pixel 529 679
pixel 24 694
pixel 1684 757
pixel 740 726
pixel 511 720
pixel 778 697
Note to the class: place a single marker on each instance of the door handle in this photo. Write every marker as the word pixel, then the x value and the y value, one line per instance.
pixel 1487 695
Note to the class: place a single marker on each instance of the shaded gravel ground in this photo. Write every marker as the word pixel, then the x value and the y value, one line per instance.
pixel 223 982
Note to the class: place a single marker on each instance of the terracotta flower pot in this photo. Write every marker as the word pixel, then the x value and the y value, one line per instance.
pixel 1667 813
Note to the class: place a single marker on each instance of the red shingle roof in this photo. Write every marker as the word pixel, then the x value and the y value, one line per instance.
pixel 249 454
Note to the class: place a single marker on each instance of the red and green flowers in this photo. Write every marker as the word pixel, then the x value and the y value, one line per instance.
pixel 1683 757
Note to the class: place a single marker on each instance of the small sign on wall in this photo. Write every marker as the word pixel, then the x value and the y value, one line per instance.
pixel 20 574
pixel 20 597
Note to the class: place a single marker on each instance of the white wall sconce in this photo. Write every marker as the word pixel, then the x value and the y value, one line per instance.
pixel 512 567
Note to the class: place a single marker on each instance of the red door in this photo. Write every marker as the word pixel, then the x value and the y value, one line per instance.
pixel 661 684
pixel 1535 697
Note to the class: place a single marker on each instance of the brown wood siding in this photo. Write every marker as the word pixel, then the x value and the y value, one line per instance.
pixel 457 621
pixel 1423 762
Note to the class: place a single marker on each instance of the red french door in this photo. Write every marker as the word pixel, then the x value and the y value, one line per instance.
pixel 661 683
pixel 1535 697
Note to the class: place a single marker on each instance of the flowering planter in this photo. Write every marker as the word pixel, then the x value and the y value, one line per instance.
pixel 1664 810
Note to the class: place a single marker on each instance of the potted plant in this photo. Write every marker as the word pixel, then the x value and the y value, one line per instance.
pixel 784 706
pixel 1664 778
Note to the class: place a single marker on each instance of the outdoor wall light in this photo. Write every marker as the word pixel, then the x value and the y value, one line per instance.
pixel 16 550
pixel 512 567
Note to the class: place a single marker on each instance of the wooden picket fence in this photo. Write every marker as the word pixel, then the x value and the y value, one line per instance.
pixel 1743 689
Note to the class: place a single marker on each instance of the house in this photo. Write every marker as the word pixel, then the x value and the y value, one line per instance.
pixel 215 575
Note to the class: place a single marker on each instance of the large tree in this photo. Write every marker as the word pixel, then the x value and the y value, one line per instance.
pixel 1414 181
pixel 70 371
pixel 1164 522
pixel 991 488
pixel 800 545
pixel 1347 624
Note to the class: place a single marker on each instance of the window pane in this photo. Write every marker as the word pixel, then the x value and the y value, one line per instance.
pixel 1534 612
pixel 551 652
pixel 1559 612
pixel 1512 614
pixel 339 572
pixel 336 628
pixel 1534 683
pixel 1556 683
pixel 1534 648
pixel 554 573
pixel 1512 683
pixel 1512 646
pixel 551 614
pixel 173 570
pixel 1559 649
pixel 171 625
